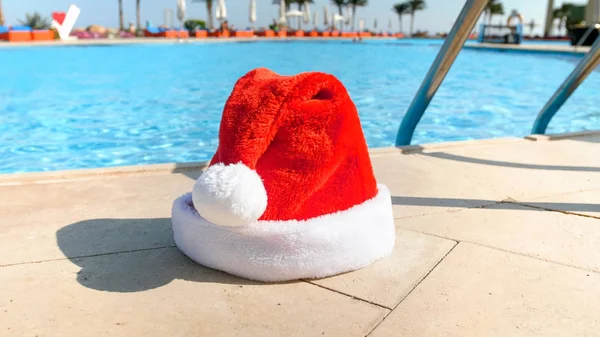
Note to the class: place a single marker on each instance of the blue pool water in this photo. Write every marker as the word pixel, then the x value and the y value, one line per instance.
pixel 83 107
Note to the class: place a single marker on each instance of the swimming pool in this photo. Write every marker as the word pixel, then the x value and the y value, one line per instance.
pixel 84 107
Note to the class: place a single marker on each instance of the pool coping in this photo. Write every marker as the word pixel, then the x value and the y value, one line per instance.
pixel 545 49
pixel 153 40
pixel 15 179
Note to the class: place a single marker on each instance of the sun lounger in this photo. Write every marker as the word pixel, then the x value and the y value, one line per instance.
pixel 165 33
pixel 296 33
pixel 219 34
pixel 201 34
pixel 244 33
pixel 266 33
pixel 16 34
pixel 313 33
pixel 42 35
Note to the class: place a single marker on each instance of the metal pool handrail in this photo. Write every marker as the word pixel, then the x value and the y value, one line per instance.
pixel 441 65
pixel 583 69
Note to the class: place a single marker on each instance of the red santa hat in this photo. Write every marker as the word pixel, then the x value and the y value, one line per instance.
pixel 290 192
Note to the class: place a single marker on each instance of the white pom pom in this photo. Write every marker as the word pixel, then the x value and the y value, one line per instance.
pixel 230 195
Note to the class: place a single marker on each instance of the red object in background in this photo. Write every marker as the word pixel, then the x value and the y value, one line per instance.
pixel 59 17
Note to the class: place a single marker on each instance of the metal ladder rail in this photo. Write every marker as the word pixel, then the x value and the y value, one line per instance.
pixel 589 62
pixel 453 44
pixel 441 65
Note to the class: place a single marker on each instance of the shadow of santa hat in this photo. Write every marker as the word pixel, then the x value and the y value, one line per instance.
pixel 290 192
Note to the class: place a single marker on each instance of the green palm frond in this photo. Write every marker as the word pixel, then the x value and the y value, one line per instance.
pixel 416 5
pixel 35 21
pixel 401 8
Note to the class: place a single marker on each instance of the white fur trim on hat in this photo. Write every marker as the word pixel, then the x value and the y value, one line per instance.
pixel 275 251
pixel 230 195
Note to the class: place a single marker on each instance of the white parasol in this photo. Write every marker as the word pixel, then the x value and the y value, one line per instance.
pixel 306 13
pixel 181 12
pixel 221 10
pixel 325 15
pixel 348 15
pixel 375 23
pixel 252 11
pixel 361 25
pixel 338 18
pixel 282 12
pixel 294 13
pixel 315 18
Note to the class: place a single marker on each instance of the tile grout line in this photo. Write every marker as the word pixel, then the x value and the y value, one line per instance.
pixel 524 203
pixel 413 288
pixel 533 257
pixel 348 295
pixel 502 250
pixel 451 209
pixel 85 256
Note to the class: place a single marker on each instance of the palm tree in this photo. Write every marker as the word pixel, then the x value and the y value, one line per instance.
pixel 209 13
pixel 414 6
pixel 354 4
pixel 549 19
pixel 35 21
pixel 121 24
pixel 288 3
pixel 138 15
pixel 340 5
pixel 531 25
pixel 301 3
pixel 563 14
pixel 1 14
pixel 557 14
pixel 496 9
pixel 401 9
pixel 487 10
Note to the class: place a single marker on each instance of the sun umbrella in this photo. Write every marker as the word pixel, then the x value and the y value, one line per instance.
pixel 361 25
pixel 325 15
pixel 282 12
pixel 252 11
pixel 348 15
pixel 294 13
pixel 390 25
pixel 338 18
pixel 221 10
pixel 315 18
pixel 181 11
pixel 375 23
pixel 306 13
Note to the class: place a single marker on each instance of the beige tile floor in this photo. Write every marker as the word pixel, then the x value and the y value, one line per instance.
pixel 495 238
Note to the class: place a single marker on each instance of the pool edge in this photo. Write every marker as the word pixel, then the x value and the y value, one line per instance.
pixel 170 168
